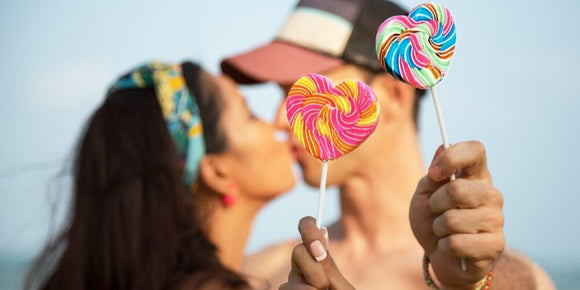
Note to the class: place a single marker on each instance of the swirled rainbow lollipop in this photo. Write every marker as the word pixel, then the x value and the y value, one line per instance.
pixel 329 120
pixel 418 49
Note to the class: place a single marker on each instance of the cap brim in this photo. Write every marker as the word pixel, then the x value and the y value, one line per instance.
pixel 278 62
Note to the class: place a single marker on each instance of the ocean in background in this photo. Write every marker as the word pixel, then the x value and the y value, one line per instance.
pixel 12 274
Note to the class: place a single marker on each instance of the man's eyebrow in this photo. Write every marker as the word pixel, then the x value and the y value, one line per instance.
pixel 285 90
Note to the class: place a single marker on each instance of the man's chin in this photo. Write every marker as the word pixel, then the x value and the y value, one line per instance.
pixel 311 181
pixel 310 173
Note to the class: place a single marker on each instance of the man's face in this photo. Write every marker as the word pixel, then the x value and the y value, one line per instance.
pixel 339 169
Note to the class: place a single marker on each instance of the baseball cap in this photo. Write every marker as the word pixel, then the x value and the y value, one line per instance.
pixel 318 36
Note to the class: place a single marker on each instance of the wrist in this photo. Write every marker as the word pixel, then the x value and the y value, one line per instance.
pixel 482 284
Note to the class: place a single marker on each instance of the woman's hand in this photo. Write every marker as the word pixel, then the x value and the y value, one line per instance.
pixel 312 265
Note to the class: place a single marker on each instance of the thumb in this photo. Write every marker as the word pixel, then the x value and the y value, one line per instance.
pixel 314 239
pixel 438 152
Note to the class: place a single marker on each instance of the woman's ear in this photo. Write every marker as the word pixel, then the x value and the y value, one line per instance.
pixel 213 170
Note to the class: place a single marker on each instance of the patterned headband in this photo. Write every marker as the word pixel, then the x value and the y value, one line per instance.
pixel 179 109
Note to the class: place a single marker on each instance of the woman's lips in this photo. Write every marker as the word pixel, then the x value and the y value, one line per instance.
pixel 295 147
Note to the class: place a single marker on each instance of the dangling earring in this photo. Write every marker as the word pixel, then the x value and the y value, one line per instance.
pixel 229 199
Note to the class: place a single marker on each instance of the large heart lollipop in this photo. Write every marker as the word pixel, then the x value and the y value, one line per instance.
pixel 418 49
pixel 329 120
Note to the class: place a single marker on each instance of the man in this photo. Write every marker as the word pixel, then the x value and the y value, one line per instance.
pixel 388 222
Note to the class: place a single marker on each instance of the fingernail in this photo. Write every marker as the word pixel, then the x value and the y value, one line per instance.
pixel 318 250
pixel 325 234
pixel 435 171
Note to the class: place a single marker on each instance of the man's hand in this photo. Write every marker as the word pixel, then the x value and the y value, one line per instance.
pixel 312 265
pixel 457 219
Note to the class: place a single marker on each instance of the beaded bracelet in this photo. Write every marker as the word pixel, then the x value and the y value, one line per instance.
pixel 483 284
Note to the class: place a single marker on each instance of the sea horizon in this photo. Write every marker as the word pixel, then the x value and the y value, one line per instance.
pixel 14 268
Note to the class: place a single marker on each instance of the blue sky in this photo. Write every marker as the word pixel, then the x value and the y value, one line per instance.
pixel 512 85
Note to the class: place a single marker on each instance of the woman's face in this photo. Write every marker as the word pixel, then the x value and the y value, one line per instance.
pixel 261 165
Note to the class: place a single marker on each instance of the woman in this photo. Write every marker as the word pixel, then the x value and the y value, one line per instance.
pixel 168 177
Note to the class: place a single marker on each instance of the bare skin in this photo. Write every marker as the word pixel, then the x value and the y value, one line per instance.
pixel 374 243
pixel 308 272
pixel 312 265
pixel 252 154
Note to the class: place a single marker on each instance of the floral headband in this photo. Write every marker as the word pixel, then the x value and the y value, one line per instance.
pixel 178 106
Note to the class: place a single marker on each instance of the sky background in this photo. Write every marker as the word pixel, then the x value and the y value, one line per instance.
pixel 512 84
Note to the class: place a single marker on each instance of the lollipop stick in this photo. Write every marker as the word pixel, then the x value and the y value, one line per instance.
pixel 445 145
pixel 321 194
pixel 441 124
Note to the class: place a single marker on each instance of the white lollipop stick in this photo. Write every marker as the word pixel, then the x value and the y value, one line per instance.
pixel 321 194
pixel 441 124
pixel 445 145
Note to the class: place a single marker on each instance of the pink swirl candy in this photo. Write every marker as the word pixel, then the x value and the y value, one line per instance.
pixel 331 121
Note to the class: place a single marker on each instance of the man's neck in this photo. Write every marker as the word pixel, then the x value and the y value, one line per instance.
pixel 375 204
pixel 229 228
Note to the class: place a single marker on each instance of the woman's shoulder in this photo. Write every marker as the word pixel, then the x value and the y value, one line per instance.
pixel 271 264
pixel 270 258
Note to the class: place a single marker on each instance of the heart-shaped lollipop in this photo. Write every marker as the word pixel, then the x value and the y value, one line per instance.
pixel 329 120
pixel 417 48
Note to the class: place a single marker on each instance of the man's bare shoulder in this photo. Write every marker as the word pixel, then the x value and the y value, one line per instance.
pixel 270 258
pixel 513 270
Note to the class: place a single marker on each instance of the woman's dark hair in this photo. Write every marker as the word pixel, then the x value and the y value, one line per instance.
pixel 131 224
pixel 207 93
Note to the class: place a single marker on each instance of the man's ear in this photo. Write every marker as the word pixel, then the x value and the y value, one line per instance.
pixel 396 97
pixel 213 170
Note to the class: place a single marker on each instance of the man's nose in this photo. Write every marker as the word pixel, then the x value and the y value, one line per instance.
pixel 281 120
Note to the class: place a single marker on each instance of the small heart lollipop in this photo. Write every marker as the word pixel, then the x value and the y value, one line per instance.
pixel 329 120
pixel 418 49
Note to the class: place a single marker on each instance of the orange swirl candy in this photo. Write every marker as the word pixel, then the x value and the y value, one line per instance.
pixel 331 121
